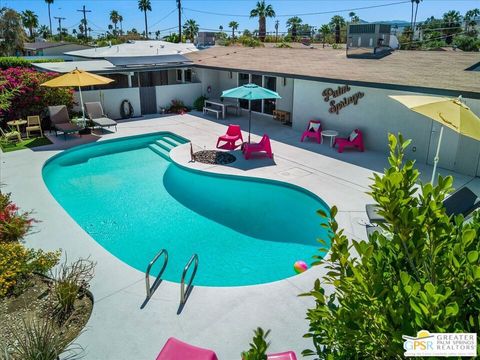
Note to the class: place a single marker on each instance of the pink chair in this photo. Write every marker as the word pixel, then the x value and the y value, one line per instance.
pixel 288 355
pixel 356 142
pixel 233 134
pixel 175 350
pixel 314 130
pixel 263 145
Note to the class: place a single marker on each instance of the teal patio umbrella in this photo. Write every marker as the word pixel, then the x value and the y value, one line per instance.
pixel 250 92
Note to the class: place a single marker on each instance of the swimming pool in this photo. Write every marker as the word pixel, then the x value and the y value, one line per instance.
pixel 129 196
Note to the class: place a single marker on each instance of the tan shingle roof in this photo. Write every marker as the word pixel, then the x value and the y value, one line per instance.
pixel 409 69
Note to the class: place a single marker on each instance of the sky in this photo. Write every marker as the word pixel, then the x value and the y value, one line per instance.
pixel 164 16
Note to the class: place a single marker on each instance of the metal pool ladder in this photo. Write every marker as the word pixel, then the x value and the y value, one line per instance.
pixel 185 293
pixel 151 290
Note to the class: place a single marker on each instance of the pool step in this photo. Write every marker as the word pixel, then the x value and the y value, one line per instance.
pixel 174 140
pixel 171 142
pixel 160 151
pixel 163 144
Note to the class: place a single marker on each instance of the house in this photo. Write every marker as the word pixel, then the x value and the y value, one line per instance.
pixel 205 39
pixel 47 48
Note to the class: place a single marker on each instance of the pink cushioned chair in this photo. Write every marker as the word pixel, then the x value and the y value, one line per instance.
pixel 288 355
pixel 311 132
pixel 263 145
pixel 357 142
pixel 233 134
pixel 178 350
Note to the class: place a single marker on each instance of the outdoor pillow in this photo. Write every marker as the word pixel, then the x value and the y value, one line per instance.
pixel 314 127
pixel 352 136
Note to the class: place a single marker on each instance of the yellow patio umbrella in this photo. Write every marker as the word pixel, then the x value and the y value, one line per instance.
pixel 452 113
pixel 78 78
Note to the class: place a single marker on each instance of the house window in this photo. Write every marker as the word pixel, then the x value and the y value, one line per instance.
pixel 188 75
pixel 270 83
pixel 179 75
pixel 256 105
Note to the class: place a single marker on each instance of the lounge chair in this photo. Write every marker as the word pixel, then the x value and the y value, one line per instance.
pixel 234 133
pixel 34 124
pixel 95 113
pixel 175 349
pixel 314 130
pixel 355 140
pixel 287 355
pixel 61 121
pixel 463 201
pixel 262 146
pixel 10 135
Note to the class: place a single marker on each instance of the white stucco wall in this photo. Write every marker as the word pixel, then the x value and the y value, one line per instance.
pixel 187 92
pixel 285 90
pixel 209 78
pixel 111 100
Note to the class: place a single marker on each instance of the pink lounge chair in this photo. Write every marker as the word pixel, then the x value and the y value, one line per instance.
pixel 233 134
pixel 175 350
pixel 263 145
pixel 314 130
pixel 355 141
pixel 287 355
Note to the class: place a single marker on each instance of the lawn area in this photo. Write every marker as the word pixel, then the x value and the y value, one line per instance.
pixel 24 144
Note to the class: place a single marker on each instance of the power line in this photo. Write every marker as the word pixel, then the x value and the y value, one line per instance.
pixel 163 18
pixel 84 11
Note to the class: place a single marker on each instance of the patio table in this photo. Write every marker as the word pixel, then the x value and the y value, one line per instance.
pixel 332 134
pixel 224 105
pixel 17 124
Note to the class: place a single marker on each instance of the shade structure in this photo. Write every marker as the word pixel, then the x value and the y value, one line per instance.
pixel 452 113
pixel 78 78
pixel 250 92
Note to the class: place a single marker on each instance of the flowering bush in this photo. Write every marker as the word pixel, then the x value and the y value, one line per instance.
pixel 177 107
pixel 14 225
pixel 30 98
pixel 17 263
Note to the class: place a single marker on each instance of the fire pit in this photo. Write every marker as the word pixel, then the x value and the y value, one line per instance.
pixel 214 157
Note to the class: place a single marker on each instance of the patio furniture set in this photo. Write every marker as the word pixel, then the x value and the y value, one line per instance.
pixel 234 134
pixel 219 107
pixel 314 130
pixel 32 124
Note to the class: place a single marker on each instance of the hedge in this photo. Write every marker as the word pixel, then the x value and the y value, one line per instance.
pixel 12 61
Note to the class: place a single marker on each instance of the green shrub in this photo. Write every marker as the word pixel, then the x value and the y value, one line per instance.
pixel 17 264
pixel 467 43
pixel 283 45
pixel 12 61
pixel 70 281
pixel 258 347
pixel 199 103
pixel 249 41
pixel 422 271
pixel 14 225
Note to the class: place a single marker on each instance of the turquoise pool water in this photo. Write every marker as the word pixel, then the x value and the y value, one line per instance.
pixel 133 201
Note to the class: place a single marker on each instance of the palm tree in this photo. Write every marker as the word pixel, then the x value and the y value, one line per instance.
pixel 145 5
pixel 262 11
pixel 351 15
pixel 234 26
pixel 120 20
pixel 470 17
pixel 43 31
pixel 451 24
pixel 49 2
pixel 114 18
pixel 30 21
pixel 190 29
pixel 325 31
pixel 292 24
pixel 337 22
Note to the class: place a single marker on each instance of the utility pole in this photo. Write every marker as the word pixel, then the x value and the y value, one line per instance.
pixel 84 11
pixel 276 30
pixel 179 4
pixel 59 25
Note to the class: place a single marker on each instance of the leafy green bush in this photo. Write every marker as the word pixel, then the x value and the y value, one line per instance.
pixel 467 43
pixel 17 263
pixel 199 103
pixel 283 45
pixel 258 347
pixel 421 271
pixel 249 41
pixel 12 61
pixel 14 225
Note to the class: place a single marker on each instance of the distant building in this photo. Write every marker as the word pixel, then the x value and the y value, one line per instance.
pixel 47 48
pixel 368 40
pixel 205 39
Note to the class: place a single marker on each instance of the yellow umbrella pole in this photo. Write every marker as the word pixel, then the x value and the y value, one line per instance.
pixel 437 157
pixel 81 103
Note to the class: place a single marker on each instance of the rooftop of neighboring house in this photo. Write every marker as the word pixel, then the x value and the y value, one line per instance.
pixel 134 49
pixel 408 70
pixel 41 45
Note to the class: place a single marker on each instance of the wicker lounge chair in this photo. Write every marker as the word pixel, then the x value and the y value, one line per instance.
pixel 95 113
pixel 61 121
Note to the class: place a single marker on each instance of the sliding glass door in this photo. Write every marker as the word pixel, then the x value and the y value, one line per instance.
pixel 268 82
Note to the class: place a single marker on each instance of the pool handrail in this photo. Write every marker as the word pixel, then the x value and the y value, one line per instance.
pixel 149 267
pixel 183 298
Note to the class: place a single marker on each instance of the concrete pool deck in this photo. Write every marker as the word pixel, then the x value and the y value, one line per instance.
pixel 221 319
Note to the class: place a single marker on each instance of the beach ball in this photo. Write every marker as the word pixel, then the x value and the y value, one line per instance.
pixel 300 266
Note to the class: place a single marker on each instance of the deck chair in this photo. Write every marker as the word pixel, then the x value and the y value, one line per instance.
pixel 95 113
pixel 61 121
pixel 287 355
pixel 34 124
pixel 175 349
pixel 234 133
pixel 314 130
pixel 10 135
pixel 263 146
pixel 355 140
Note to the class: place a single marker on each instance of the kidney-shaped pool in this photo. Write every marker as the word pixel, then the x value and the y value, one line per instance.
pixel 134 201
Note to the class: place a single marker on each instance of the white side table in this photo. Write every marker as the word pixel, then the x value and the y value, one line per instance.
pixel 332 134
